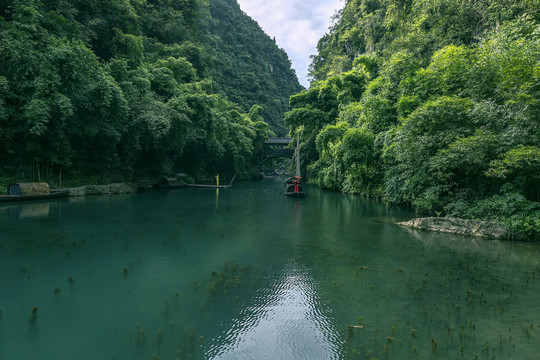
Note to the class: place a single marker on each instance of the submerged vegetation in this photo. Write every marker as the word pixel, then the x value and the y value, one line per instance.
pixel 431 104
pixel 116 90
pixel 172 275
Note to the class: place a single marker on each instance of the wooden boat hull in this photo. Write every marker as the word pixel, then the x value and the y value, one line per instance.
pixel 294 190
pixel 209 186
pixel 299 194
pixel 53 195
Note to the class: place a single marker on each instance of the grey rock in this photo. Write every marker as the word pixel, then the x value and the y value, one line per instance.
pixel 485 229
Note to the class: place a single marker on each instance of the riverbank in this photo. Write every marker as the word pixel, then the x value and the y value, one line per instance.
pixel 109 189
pixel 126 188
pixel 485 229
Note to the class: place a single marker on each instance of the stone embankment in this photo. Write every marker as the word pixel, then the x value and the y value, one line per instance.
pixel 110 189
pixel 485 229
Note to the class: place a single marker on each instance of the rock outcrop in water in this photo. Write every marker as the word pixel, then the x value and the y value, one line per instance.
pixel 486 229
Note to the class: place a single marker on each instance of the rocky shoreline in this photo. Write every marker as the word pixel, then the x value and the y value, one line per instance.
pixel 486 229
pixel 110 189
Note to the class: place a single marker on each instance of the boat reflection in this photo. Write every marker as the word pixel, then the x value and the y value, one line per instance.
pixel 287 320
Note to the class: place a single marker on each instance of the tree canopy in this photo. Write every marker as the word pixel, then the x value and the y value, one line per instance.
pixel 132 87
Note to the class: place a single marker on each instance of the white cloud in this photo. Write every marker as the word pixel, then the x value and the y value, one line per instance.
pixel 297 26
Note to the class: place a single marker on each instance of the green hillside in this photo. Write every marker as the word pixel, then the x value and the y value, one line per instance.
pixel 126 88
pixel 250 68
pixel 433 104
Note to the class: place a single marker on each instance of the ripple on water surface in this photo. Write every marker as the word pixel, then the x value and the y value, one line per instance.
pixel 286 320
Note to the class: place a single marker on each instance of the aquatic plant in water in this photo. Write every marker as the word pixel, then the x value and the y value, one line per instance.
pixel 33 315
pixel 159 337
pixel 140 336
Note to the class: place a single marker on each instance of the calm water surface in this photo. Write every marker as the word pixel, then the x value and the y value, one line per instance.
pixel 246 273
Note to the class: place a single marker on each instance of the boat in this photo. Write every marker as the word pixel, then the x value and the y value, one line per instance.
pixel 170 182
pixel 204 186
pixel 293 187
pixel 53 194
pixel 217 186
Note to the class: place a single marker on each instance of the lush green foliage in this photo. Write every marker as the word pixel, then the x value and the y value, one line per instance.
pixel 420 26
pixel 133 87
pixel 441 113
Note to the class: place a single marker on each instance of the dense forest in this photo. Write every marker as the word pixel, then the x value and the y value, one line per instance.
pixel 128 88
pixel 434 104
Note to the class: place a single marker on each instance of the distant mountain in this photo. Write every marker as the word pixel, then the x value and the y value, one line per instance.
pixel 250 67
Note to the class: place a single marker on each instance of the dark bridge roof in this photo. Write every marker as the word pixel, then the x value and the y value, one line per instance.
pixel 278 141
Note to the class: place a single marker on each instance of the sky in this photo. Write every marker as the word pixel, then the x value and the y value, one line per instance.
pixel 297 25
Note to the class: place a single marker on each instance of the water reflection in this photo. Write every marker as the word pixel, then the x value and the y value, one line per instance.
pixel 29 210
pixel 286 321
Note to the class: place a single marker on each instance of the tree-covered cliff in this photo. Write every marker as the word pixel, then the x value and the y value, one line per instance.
pixel 250 69
pixel 430 103
pixel 128 87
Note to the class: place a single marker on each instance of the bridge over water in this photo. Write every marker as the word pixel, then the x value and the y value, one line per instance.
pixel 277 147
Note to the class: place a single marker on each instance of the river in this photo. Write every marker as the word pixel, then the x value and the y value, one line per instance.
pixel 247 273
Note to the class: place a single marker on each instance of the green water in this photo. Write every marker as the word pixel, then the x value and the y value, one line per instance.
pixel 247 273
